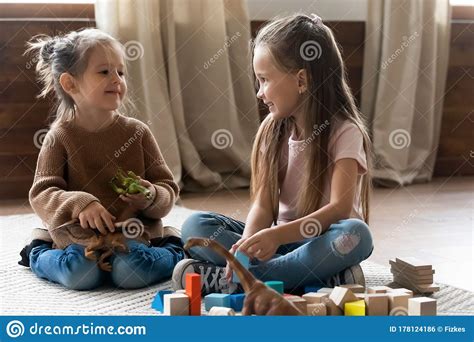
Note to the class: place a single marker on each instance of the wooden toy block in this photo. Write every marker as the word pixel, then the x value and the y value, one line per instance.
pixel 355 288
pixel 378 289
pixel 317 309
pixel 401 289
pixel 416 287
pixel 376 304
pixel 422 306
pixel 299 302
pixel 176 304
pixel 360 295
pixel 315 298
pixel 276 285
pixel 356 308
pixel 411 271
pixel 221 311
pixel 327 290
pixel 342 295
pixel 398 299
pixel 193 290
pixel 158 301
pixel 331 308
pixel 216 299
pixel 413 263
pixel 289 296
pixel 237 301
pixel 421 278
pixel 309 289
pixel 244 260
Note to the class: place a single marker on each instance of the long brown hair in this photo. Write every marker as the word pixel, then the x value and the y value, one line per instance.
pixel 300 42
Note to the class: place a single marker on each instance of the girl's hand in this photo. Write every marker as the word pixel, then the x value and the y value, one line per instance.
pixel 233 249
pixel 262 245
pixel 95 216
pixel 139 201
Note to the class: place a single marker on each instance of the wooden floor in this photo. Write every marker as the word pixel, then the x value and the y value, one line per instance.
pixel 432 221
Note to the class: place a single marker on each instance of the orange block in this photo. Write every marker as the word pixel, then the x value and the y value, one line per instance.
pixel 193 290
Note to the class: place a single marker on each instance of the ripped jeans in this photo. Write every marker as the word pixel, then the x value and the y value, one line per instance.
pixel 305 263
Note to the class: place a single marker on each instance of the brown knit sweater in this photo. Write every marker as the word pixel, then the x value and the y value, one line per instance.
pixel 74 169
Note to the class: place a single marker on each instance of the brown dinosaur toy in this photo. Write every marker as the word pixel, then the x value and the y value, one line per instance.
pixel 259 298
pixel 105 245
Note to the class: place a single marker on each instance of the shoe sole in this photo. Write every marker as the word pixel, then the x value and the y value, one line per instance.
pixel 178 279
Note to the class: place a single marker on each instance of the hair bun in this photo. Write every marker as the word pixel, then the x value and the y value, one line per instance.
pixel 47 50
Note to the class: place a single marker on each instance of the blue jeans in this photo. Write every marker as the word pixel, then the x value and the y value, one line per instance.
pixel 141 267
pixel 309 262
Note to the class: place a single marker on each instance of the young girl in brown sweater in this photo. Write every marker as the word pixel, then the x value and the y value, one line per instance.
pixel 88 142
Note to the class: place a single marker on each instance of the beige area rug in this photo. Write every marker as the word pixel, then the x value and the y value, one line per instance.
pixel 22 293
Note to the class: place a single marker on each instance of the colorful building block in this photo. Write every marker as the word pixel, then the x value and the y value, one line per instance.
pixel 341 295
pixel 277 285
pixel 327 290
pixel 315 298
pixel 356 308
pixel 378 289
pixel 299 302
pixel 217 299
pixel 237 301
pixel 331 308
pixel 309 289
pixel 355 288
pixel 176 304
pixel 221 311
pixel 397 300
pixel 376 304
pixel 193 290
pixel 317 309
pixel 158 302
pixel 422 306
pixel 244 260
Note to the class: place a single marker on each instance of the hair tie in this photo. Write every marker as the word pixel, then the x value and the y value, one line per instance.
pixel 316 19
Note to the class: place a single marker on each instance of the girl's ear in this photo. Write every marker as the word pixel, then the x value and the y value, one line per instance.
pixel 68 83
pixel 302 79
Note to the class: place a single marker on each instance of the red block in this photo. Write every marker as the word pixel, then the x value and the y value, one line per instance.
pixel 193 290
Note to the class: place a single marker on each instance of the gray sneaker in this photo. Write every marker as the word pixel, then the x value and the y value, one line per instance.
pixel 351 275
pixel 212 277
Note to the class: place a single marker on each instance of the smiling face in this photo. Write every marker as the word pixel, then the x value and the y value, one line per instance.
pixel 279 90
pixel 102 86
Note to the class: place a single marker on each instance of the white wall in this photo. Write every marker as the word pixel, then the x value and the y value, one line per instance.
pixel 340 10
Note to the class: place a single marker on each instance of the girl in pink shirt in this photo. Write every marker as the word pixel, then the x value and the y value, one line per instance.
pixel 307 225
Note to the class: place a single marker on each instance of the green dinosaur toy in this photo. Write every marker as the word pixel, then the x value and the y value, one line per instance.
pixel 128 183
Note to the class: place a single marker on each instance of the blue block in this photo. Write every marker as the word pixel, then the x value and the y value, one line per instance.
pixel 277 285
pixel 309 289
pixel 217 299
pixel 157 303
pixel 244 260
pixel 237 301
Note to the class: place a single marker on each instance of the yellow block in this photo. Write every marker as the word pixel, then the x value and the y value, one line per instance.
pixel 356 308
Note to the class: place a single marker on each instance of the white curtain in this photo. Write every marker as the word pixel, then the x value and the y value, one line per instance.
pixel 190 80
pixel 404 76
